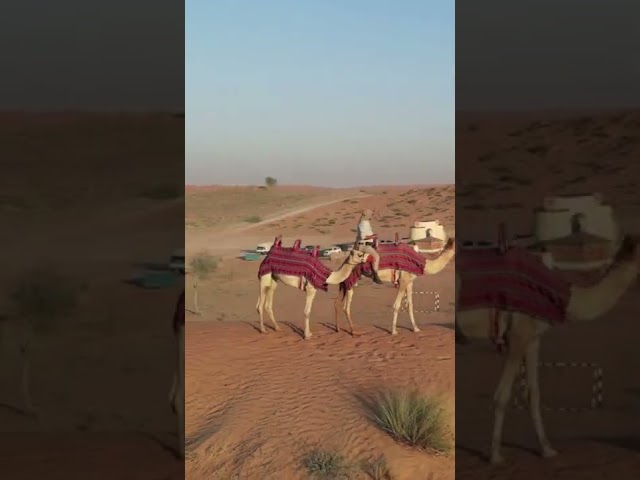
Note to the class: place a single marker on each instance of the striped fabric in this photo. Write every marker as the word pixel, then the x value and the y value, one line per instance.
pixel 178 314
pixel 516 280
pixel 285 261
pixel 392 257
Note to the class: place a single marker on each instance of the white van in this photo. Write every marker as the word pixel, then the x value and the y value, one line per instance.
pixel 263 248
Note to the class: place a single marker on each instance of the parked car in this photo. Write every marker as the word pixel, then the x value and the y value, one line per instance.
pixel 176 261
pixel 309 248
pixel 331 250
pixel 263 248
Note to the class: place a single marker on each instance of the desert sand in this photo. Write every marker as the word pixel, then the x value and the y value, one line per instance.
pixel 509 162
pixel 256 404
pixel 78 196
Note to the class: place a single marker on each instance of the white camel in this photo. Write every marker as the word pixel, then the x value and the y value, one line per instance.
pixel 269 282
pixel 405 288
pixel 523 334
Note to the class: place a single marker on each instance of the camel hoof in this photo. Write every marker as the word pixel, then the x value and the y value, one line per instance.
pixel 416 330
pixel 307 336
pixel 497 459
pixel 263 330
pixel 549 452
pixel 276 329
pixel 355 334
pixel 395 332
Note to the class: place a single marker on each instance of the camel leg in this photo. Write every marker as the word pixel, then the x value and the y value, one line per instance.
pixel 269 305
pixel 347 311
pixel 265 284
pixel 180 394
pixel 173 392
pixel 410 301
pixel 311 293
pixel 402 291
pixel 502 396
pixel 338 306
pixel 531 359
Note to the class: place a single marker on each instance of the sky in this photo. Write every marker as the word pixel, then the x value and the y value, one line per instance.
pixel 332 92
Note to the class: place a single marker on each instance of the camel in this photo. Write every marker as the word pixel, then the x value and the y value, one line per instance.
pixel 269 282
pixel 405 288
pixel 523 334
pixel 176 394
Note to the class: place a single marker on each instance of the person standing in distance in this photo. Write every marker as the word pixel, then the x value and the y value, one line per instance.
pixel 364 242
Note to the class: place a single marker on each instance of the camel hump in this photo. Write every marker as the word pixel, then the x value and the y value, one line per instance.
pixel 296 245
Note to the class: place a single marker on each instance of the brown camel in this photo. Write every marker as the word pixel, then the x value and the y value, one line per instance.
pixel 269 282
pixel 405 288
pixel 523 333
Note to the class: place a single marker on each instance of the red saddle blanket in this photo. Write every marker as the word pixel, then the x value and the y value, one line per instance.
pixel 392 257
pixel 281 261
pixel 516 280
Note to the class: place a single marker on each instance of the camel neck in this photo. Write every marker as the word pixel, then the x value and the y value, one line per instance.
pixel 589 303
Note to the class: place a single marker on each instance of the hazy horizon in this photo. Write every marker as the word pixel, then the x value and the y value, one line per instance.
pixel 300 92
pixel 311 185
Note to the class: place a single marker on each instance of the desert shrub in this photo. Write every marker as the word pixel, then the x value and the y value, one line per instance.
pixel 270 182
pixel 412 419
pixel 44 297
pixel 201 266
pixel 377 469
pixel 326 465
pixel 253 219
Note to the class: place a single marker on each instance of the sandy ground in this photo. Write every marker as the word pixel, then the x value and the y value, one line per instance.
pixel 78 197
pixel 256 404
pixel 510 162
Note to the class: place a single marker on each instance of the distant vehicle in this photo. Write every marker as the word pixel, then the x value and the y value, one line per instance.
pixel 308 248
pixel 263 248
pixel 387 241
pixel 176 261
pixel 331 250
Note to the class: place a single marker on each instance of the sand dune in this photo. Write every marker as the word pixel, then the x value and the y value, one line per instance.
pixel 510 162
pixel 256 404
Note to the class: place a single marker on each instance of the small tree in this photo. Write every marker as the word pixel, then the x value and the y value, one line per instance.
pixel 202 266
pixel 43 297
pixel 270 182
pixel 39 300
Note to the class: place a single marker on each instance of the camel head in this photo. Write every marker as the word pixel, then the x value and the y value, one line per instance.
pixel 450 245
pixel 356 257
pixel 628 251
